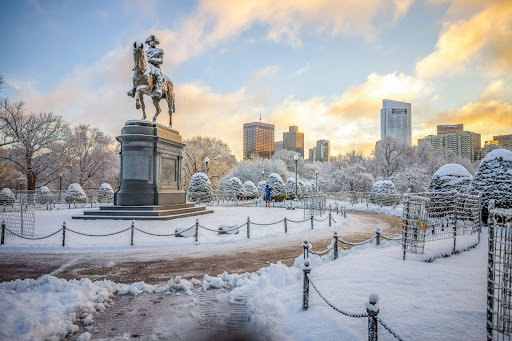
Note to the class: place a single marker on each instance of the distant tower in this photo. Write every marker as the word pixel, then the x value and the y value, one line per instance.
pixel 259 139
pixel 395 120
pixel 323 151
pixel 294 140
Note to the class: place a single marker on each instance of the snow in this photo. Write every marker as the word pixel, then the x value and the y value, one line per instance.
pixel 452 169
pixel 6 196
pixel 504 154
pixel 251 190
pixel 235 188
pixel 450 177
pixel 75 193
pixel 105 194
pixel 199 188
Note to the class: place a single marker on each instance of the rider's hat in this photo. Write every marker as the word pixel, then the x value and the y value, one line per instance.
pixel 152 38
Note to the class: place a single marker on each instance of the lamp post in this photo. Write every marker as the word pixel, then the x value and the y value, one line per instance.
pixel 263 174
pixel 316 180
pixel 206 160
pixel 60 186
pixel 296 158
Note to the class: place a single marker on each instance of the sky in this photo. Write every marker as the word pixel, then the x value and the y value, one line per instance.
pixel 322 65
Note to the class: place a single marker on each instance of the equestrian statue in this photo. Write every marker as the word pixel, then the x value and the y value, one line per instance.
pixel 149 80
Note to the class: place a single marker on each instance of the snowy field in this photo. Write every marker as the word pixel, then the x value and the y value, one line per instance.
pixel 48 222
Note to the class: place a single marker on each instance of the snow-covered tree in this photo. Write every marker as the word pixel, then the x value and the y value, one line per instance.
pixel 290 189
pixel 450 177
pixel 43 195
pixel 6 196
pixel 199 188
pixel 303 188
pixel 384 192
pixel 251 190
pixel 261 188
pixel 493 180
pixel 311 188
pixel 105 194
pixel 277 187
pixel 75 194
pixel 391 155
pixel 354 178
pixel 257 169
pixel 413 177
pixel 287 156
pixel 235 188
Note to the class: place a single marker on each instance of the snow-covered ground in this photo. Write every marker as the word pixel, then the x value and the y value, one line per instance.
pixel 48 222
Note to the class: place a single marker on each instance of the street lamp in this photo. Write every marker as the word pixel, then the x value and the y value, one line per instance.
pixel 316 180
pixel 263 173
pixel 206 160
pixel 60 186
pixel 296 158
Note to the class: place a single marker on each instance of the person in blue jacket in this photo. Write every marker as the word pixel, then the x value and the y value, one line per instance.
pixel 267 196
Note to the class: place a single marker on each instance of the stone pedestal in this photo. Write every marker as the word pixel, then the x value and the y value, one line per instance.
pixel 150 165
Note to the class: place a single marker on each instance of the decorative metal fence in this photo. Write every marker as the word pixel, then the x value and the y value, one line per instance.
pixel 315 204
pixel 436 216
pixel 18 219
pixel 499 277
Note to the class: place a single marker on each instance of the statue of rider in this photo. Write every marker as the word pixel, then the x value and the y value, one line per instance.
pixel 154 57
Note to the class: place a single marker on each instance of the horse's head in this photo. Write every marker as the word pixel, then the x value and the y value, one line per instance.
pixel 139 57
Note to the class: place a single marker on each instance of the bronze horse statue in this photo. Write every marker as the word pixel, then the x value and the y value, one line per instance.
pixel 144 84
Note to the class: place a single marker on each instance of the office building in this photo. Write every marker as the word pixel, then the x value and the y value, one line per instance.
pixel 504 141
pixel 449 128
pixel 294 140
pixel 258 139
pixel 395 120
pixel 464 143
pixel 323 151
pixel 488 147
pixel 312 154
pixel 499 141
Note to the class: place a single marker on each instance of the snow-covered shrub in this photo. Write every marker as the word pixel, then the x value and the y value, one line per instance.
pixel 235 188
pixel 290 189
pixel 278 190
pixel 450 177
pixel 43 195
pixel 413 177
pixel 199 188
pixel 105 194
pixel 384 192
pixel 75 194
pixel 493 180
pixel 251 190
pixel 261 188
pixel 6 196
pixel 303 188
pixel 312 187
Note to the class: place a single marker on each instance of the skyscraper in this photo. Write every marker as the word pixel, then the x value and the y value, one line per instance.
pixel 395 120
pixel 323 151
pixel 259 139
pixel 294 140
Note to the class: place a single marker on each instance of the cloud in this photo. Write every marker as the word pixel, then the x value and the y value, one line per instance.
pixel 301 70
pixel 484 38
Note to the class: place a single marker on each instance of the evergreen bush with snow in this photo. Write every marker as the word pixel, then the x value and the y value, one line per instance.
pixel 290 189
pixel 75 194
pixel 450 177
pixel 235 188
pixel 105 194
pixel 261 188
pixel 384 192
pixel 251 190
pixel 199 188
pixel 6 196
pixel 493 180
pixel 303 189
pixel 278 189
pixel 43 195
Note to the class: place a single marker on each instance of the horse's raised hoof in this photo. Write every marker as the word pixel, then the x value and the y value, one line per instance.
pixel 131 93
pixel 137 104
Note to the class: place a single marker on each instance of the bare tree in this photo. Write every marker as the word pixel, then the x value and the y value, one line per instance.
pixel 218 153
pixel 391 156
pixel 91 154
pixel 35 141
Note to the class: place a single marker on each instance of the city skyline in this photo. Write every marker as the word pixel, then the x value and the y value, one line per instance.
pixel 324 66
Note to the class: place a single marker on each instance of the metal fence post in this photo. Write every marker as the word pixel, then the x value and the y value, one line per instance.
pixel 249 227
pixel 490 275
pixel 3 232
pixel 64 234
pixel 197 229
pixel 311 221
pixel 335 237
pixel 455 227
pixel 378 231
pixel 344 212
pixel 285 226
pixel 372 308
pixel 330 219
pixel 337 211
pixel 133 227
pixel 305 245
pixel 305 291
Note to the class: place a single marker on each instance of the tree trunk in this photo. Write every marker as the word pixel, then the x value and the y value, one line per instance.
pixel 31 180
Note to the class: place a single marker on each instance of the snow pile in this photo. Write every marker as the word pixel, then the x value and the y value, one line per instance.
pixel 229 229
pixel 278 190
pixel 384 192
pixel 186 232
pixel 290 189
pixel 451 177
pixel 199 188
pixel 43 195
pixel 251 190
pixel 178 284
pixel 493 180
pixel 135 288
pixel 75 194
pixel 6 196
pixel 105 194
pixel 261 189
pixel 235 188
